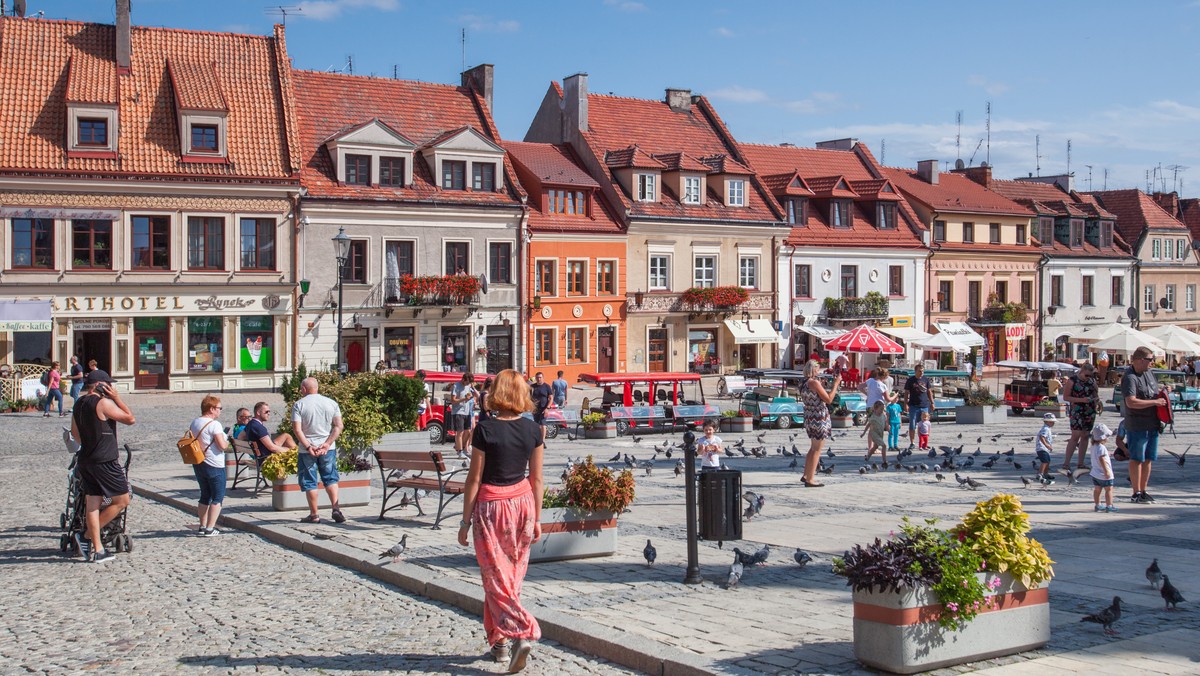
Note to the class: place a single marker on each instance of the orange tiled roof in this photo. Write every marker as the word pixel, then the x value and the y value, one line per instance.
pixel 557 165
pixel 36 55
pixel 1190 215
pixel 1047 199
pixel 819 171
pixel 197 86
pixel 1136 212
pixel 681 162
pixel 724 164
pixel 954 193
pixel 425 113
pixel 874 189
pixel 632 157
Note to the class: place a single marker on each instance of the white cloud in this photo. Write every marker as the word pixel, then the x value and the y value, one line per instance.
pixel 740 94
pixel 992 87
pixel 723 32
pixel 485 24
pixel 325 10
pixel 626 5
pixel 817 102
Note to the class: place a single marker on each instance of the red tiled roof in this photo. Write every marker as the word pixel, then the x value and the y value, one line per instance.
pixel 874 189
pixel 37 55
pixel 724 164
pixel 196 86
pixel 557 165
pixel 954 193
pixel 681 162
pixel 632 157
pixel 1190 215
pixel 1049 199
pixel 1136 212
pixel 831 186
pixel 616 123
pixel 791 185
pixel 425 113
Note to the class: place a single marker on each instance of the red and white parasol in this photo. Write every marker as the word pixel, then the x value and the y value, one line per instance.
pixel 864 339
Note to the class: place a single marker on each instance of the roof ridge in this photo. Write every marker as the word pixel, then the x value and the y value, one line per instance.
pixel 376 78
pixel 190 31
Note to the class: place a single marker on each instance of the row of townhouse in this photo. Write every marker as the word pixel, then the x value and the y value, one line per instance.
pixel 174 198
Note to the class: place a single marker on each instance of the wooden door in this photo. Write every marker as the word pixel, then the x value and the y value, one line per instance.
pixel 606 357
pixel 656 350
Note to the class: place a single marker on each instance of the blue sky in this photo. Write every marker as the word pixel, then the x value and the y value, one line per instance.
pixel 1117 79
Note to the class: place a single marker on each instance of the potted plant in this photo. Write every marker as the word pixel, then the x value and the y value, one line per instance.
pixel 1048 405
pixel 354 481
pixel 979 407
pixel 736 421
pixel 580 519
pixel 598 426
pixel 841 418
pixel 929 598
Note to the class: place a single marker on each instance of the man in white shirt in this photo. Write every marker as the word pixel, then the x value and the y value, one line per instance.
pixel 317 422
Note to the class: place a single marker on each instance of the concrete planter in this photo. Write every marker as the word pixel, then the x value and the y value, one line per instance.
pixel 979 415
pixel 737 424
pixel 354 490
pixel 570 534
pixel 604 430
pixel 841 421
pixel 898 632
pixel 1059 410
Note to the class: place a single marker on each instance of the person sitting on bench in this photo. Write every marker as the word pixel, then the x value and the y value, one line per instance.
pixel 260 439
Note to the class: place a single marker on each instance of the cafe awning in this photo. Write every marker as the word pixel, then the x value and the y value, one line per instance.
pixel 25 315
pixel 753 331
pixel 960 333
pixel 820 331
pixel 905 333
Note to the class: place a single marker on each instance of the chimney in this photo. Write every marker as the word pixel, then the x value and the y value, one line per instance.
pixel 575 106
pixel 928 171
pixel 124 46
pixel 480 79
pixel 838 144
pixel 19 8
pixel 981 174
pixel 679 100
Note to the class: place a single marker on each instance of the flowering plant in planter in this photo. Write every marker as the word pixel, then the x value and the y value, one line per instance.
pixel 282 465
pixel 589 488
pixel 590 420
pixel 716 296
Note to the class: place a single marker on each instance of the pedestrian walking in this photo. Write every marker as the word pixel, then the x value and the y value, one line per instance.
pixel 541 392
pixel 75 375
pixel 894 414
pixel 876 388
pixel 484 391
pixel 1140 394
pixel 1083 397
pixel 502 502
pixel 462 412
pixel 210 474
pixel 94 426
pixel 920 399
pixel 816 400
pixel 317 422
pixel 1043 444
pixel 559 390
pixel 53 382
pixel 877 429
pixel 1102 469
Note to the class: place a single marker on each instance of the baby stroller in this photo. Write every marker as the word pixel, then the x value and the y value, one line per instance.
pixel 73 520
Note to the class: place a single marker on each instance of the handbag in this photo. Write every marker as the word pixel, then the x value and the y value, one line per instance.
pixel 190 449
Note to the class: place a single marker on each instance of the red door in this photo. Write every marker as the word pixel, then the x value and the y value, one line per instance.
pixel 606 357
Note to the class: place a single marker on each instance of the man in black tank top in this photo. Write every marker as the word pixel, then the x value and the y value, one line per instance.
pixel 94 425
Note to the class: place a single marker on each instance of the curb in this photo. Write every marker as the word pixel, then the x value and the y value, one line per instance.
pixel 625 649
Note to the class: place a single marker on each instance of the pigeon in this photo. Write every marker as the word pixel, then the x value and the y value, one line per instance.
pixel 650 553
pixel 939 477
pixel 979 440
pixel 571 437
pixel 739 443
pixel 743 558
pixel 735 574
pixel 794 464
pixel 679 467
pixel 1170 594
pixel 760 557
pixel 862 470
pixel 615 458
pixel 396 550
pixel 989 463
pixel 636 439
pixel 961 481
pixel 1025 481
pixel 802 557
pixel 1016 465
pixel 960 435
pixel 762 437
pixel 828 453
pixel 1107 617
pixel 826 470
pixel 1180 457
pixel 973 484
pixel 1154 574
pixel 932 453
pixel 749 513
pixel 1013 450
pixel 756 502
pixel 1027 439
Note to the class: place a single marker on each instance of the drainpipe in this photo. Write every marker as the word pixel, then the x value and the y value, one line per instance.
pixel 791 305
pixel 296 277
pixel 775 249
pixel 525 329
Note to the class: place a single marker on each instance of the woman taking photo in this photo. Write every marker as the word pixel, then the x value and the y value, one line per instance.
pixel 210 474
pixel 1083 397
pixel 816 417
pixel 503 506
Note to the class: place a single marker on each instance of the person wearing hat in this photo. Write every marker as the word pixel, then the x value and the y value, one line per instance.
pixel 1043 444
pixel 1102 470
pixel 94 425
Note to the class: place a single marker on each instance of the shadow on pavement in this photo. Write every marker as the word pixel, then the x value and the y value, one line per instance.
pixel 456 664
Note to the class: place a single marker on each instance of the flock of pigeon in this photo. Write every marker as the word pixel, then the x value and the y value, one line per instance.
pixel 1158 580
pixel 741 561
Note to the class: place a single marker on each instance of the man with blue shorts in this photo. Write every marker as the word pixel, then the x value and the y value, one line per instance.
pixel 1139 391
pixel 920 399
pixel 317 422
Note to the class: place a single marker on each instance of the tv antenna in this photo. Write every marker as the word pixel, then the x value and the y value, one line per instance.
pixel 989 134
pixel 1176 185
pixel 1106 178
pixel 464 50
pixel 1037 153
pixel 971 162
pixel 958 136
pixel 1068 157
pixel 883 151
pixel 1089 168
pixel 283 11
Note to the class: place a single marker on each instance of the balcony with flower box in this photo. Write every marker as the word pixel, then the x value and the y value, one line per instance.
pixel 431 291
pixel 708 300
pixel 872 306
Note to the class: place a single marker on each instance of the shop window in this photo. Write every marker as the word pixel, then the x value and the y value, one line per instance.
pixel 400 347
pixel 33 243
pixel 91 245
pixel 455 348
pixel 258 244
pixel 204 345
pixel 702 349
pixel 151 245
pixel 256 351
pixel 206 243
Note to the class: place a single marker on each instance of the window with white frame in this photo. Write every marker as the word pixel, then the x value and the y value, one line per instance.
pixel 803 281
pixel 1189 298
pixel 576 342
pixel 1148 298
pixel 1156 249
pixel 543 347
pixel 705 271
pixel 647 188
pixel 1170 296
pixel 737 193
pixel 691 189
pixel 544 277
pixel 748 272
pixel 1180 248
pixel 660 269
pixel 606 277
pixel 577 278
pixel 849 281
pixel 895 281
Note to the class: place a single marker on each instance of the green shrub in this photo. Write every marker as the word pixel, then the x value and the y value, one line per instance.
pixel 373 404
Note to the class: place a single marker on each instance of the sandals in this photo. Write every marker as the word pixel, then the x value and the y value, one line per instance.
pixel 311 518
pixel 338 516
pixel 812 484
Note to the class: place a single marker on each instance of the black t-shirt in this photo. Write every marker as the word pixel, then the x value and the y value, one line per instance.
pixel 97 438
pixel 1144 386
pixel 506 447
pixel 76 370
pixel 541 399
pixel 918 392
pixel 255 430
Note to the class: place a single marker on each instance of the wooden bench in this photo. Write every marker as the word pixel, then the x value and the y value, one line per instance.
pixel 245 463
pixel 431 474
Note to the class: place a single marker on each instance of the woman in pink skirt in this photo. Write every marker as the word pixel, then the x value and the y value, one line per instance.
pixel 503 506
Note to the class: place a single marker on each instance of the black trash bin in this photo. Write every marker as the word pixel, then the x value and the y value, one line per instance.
pixel 720 505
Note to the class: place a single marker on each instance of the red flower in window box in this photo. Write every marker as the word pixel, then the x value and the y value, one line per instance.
pixel 716 296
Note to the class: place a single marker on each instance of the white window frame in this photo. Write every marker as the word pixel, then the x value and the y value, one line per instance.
pixel 76 113
pixel 557 287
pixel 742 276
pixel 1148 302
pixel 616 267
pixel 697 281
pixel 583 262
pixel 736 191
pixel 1169 294
pixel 189 119
pixel 512 270
pixel 691 189
pixel 1180 249
pixel 666 272
pixel 1118 299
pixel 647 187
pixel 796 280
pixel 1189 298
pixel 1156 249
pixel 567 344
pixel 553 361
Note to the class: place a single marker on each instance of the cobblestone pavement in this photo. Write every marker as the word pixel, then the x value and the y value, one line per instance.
pixel 234 603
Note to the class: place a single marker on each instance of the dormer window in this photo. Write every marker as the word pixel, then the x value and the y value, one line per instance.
pixel 797 210
pixel 569 202
pixel 358 169
pixel 464 159
pixel 647 188
pixel 1076 233
pixel 839 213
pixel 372 153
pixel 391 172
pixel 691 190
pixel 737 193
pixel 91 96
pixel 93 132
pixel 885 215
pixel 204 138
pixel 483 177
pixel 454 175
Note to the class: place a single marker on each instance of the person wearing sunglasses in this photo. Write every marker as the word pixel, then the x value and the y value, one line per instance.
pixel 260 438
pixel 1140 390
pixel 210 474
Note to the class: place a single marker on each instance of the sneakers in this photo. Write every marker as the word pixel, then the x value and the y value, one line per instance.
pixel 103 555
pixel 500 652
pixel 1111 508
pixel 1141 498
pixel 520 654
pixel 1099 508
pixel 1136 497
pixel 210 532
pixel 1146 497
pixel 84 546
pixel 338 516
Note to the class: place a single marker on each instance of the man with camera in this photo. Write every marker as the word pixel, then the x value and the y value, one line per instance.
pixel 94 426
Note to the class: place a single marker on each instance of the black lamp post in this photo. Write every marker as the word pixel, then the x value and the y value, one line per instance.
pixel 692 575
pixel 341 249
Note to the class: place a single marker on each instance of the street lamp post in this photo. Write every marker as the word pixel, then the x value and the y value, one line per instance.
pixel 341 249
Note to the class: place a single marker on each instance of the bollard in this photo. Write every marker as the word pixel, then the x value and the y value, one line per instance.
pixel 693 553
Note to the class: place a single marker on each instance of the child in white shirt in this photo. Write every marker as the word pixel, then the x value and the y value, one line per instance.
pixel 710 447
pixel 923 428
pixel 1102 471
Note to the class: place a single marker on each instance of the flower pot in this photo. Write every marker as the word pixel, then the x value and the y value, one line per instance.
pixel 603 430
pixel 568 533
pixel 980 415
pixel 841 421
pixel 354 490
pixel 1059 410
pixel 899 632
pixel 738 423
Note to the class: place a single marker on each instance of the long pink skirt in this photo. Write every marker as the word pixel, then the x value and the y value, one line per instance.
pixel 503 521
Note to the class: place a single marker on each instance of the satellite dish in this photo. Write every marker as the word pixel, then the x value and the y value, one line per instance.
pixel 1132 313
pixel 1162 303
pixel 958 164
pixel 483 283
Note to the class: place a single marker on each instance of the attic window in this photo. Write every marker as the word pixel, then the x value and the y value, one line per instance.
pixel 691 189
pixel 391 172
pixel 1106 234
pixel 93 132
pixel 204 138
pixel 797 210
pixel 358 169
pixel 570 202
pixel 886 216
pixel 483 177
pixel 647 188
pixel 839 213
pixel 737 193
pixel 454 175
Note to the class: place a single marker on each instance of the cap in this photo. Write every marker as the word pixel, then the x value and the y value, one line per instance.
pixel 97 376
pixel 1101 431
pixel 1050 417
